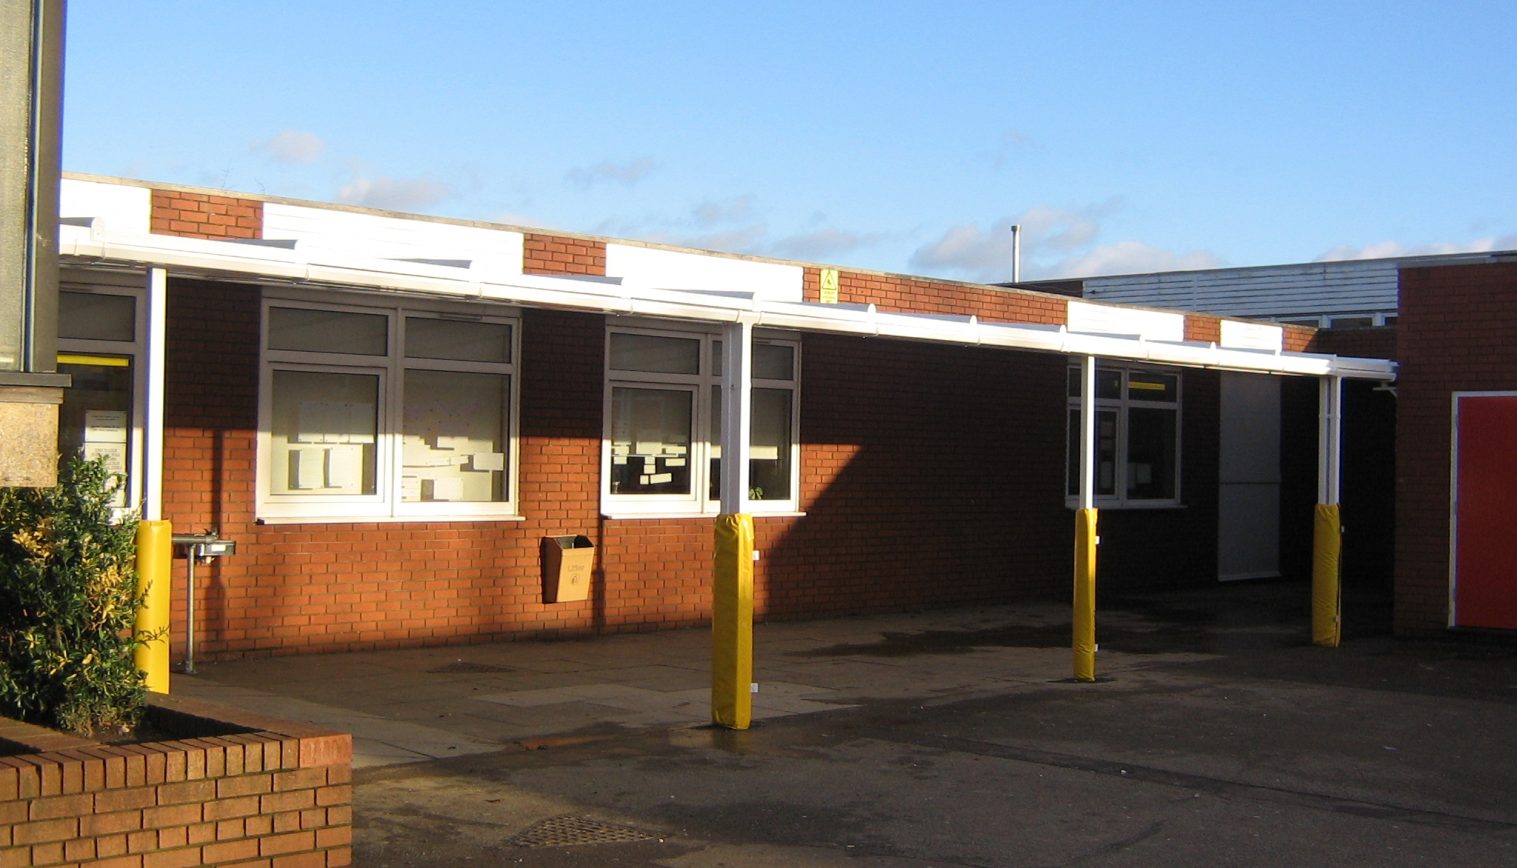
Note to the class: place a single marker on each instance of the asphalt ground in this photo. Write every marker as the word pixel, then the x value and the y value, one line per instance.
pixel 1215 734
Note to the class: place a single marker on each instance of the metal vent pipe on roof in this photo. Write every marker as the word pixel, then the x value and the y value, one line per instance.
pixel 1016 252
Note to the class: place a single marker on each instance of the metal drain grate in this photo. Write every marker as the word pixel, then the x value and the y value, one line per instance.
pixel 570 830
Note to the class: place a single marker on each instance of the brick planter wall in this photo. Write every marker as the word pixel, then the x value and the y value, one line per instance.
pixel 273 793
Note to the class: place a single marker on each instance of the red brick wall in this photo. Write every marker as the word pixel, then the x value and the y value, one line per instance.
pixel 893 518
pixel 902 508
pixel 897 293
pixel 1454 332
pixel 1298 339
pixel 1152 548
pixel 1199 327
pixel 558 254
pixel 1368 343
pixel 280 795
pixel 310 587
pixel 203 215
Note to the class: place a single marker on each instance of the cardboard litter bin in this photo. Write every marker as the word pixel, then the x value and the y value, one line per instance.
pixel 567 563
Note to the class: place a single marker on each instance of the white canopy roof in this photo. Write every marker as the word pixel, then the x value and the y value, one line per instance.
pixel 285 262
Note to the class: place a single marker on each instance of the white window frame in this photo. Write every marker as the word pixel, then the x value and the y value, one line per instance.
pixel 135 351
pixel 699 501
pixel 387 503
pixel 1121 406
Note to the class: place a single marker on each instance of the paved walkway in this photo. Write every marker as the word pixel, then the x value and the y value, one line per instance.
pixel 417 705
pixel 1216 734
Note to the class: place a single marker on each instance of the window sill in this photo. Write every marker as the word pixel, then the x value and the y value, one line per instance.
pixel 381 519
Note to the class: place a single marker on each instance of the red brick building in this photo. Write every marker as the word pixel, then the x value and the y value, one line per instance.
pixel 1456 466
pixel 389 414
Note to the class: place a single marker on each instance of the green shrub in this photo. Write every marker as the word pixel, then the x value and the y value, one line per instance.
pixel 68 602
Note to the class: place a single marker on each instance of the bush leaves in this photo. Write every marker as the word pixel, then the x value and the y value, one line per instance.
pixel 68 603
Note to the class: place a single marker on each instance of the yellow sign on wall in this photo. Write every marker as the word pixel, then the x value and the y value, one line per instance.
pixel 829 286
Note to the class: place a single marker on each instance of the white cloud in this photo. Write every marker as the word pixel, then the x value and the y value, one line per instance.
pixel 739 224
pixel 713 213
pixel 1056 242
pixel 626 174
pixel 1390 249
pixel 395 194
pixel 822 245
pixel 969 252
pixel 292 146
pixel 1131 257
pixel 738 239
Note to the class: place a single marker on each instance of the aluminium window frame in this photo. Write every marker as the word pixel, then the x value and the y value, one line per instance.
pixel 135 350
pixel 1121 405
pixel 387 503
pixel 702 385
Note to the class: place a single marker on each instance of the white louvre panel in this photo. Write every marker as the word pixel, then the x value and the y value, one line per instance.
pixel 673 269
pixel 1269 291
pixel 1252 336
pixel 1103 319
pixel 320 233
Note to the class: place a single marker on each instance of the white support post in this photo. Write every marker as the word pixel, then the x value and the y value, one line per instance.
pixel 732 565
pixel 1087 499
pixel 152 451
pixel 1086 539
pixel 1329 440
pixel 1327 532
pixel 737 414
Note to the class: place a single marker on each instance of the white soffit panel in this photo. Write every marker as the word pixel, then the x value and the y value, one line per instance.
pixel 673 269
pixel 112 207
pixel 1252 336
pixel 1103 319
pixel 375 236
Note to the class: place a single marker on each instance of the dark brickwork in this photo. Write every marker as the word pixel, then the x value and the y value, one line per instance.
pixel 1454 332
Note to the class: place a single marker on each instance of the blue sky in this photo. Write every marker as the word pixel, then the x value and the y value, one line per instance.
pixel 1124 137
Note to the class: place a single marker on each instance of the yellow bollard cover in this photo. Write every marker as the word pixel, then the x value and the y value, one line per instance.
pixel 155 561
pixel 732 623
pixel 1327 591
pixel 1085 595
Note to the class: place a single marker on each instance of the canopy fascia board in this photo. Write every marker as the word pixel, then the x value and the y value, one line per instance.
pixel 281 264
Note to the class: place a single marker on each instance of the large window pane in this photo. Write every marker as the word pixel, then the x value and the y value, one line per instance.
pixel 1108 383
pixel 455 437
pixel 769 464
pixel 1106 453
pixel 773 362
pixel 770 361
pixel 453 340
pixel 95 420
pixel 769 457
pixel 714 449
pixel 1144 386
pixel 651 432
pixel 328 331
pixel 324 433
pixel 97 316
pixel 656 354
pixel 1150 453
